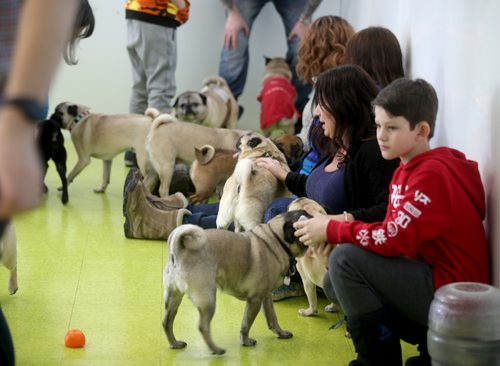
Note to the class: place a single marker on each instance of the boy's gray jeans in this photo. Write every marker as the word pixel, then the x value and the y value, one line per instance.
pixel 361 282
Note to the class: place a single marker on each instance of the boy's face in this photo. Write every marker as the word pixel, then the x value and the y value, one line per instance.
pixel 395 138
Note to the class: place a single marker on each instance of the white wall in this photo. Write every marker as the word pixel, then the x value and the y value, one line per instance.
pixel 450 43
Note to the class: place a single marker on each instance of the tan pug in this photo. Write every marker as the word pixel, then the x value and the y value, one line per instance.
pixel 251 188
pixel 248 266
pixel 170 139
pixel 8 255
pixel 210 171
pixel 293 148
pixel 104 136
pixel 312 266
pixel 213 106
pixel 277 98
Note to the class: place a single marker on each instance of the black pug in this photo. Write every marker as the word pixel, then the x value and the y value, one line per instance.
pixel 51 146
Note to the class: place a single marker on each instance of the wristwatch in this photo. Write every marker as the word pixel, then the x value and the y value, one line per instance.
pixel 28 106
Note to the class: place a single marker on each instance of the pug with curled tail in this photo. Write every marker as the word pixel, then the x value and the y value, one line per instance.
pixel 248 266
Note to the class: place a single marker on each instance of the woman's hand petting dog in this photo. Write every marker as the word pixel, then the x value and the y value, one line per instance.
pixel 313 230
pixel 274 167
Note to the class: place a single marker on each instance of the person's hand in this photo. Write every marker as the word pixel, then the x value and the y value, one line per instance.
pixel 299 30
pixel 20 164
pixel 273 166
pixel 234 24
pixel 312 231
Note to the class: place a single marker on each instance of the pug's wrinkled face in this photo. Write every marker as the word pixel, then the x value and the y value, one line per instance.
pixel 250 141
pixel 191 106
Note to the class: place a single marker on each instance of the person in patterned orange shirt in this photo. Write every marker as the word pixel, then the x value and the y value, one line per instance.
pixel 152 50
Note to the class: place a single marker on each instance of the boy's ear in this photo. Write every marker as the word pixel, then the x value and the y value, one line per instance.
pixel 423 129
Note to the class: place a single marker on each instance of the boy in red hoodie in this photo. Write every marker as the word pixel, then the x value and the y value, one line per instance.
pixel 432 234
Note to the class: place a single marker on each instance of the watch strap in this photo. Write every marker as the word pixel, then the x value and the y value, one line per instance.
pixel 29 107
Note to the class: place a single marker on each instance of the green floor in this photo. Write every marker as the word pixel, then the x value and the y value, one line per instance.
pixel 77 270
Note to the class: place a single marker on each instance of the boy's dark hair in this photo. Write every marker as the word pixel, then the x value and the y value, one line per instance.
pixel 415 100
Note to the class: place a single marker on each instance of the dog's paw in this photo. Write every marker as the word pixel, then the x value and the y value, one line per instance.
pixel 248 342
pixel 178 344
pixel 285 334
pixel 307 312
pixel 99 190
pixel 13 289
pixel 331 308
pixel 218 351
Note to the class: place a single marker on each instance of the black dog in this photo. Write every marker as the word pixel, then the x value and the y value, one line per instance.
pixel 51 146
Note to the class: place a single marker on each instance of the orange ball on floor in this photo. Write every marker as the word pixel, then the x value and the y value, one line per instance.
pixel 74 338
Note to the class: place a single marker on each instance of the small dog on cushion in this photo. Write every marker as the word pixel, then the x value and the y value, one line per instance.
pixel 213 106
pixel 278 114
pixel 248 266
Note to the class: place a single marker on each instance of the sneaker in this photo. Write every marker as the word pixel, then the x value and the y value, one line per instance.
pixel 295 289
pixel 130 159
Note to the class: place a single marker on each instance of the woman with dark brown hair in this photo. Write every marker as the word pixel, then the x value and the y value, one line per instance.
pixel 351 180
pixel 377 51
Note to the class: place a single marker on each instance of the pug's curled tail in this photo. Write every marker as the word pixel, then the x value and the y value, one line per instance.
pixel 187 237
pixel 152 112
pixel 162 119
pixel 243 173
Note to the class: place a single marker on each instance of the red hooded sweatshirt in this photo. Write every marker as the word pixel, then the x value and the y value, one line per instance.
pixel 435 215
pixel 277 100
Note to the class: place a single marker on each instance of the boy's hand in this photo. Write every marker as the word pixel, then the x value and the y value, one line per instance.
pixel 313 230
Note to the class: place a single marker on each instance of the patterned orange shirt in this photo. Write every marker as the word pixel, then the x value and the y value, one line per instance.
pixel 157 9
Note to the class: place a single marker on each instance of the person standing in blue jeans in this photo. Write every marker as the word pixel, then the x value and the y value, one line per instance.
pixel 233 67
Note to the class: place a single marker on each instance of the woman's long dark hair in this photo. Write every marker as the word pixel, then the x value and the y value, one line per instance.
pixel 346 92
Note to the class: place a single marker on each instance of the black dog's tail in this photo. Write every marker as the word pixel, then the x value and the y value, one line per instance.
pixel 187 237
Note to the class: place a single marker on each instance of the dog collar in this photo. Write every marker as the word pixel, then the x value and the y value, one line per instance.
pixel 78 118
pixel 81 116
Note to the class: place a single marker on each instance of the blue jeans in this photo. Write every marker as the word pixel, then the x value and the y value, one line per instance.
pixel 233 64
pixel 203 215
pixel 278 206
